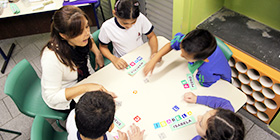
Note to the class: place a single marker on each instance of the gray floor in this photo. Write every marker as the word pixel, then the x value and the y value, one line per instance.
pixel 29 47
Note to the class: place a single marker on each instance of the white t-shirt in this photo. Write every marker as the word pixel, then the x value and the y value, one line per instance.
pixel 55 78
pixel 124 40
pixel 72 128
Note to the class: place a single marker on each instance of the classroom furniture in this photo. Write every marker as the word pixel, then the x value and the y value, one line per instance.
pixel 43 130
pixel 6 57
pixel 24 87
pixel 92 55
pixel 10 131
pixel 274 124
pixel 225 49
pixel 254 63
pixel 94 3
pixel 149 100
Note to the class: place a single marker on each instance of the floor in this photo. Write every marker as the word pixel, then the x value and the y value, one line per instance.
pixel 28 47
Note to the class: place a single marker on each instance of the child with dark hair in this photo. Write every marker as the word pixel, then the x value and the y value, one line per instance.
pixel 125 31
pixel 200 49
pixel 92 119
pixel 221 123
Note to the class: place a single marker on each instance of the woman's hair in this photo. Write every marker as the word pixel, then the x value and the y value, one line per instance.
pixel 199 42
pixel 225 125
pixel 68 21
pixel 127 9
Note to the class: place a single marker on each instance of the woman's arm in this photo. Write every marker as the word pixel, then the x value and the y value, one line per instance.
pixel 98 56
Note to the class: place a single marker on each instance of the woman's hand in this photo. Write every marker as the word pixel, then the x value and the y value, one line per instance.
pixel 189 97
pixel 94 87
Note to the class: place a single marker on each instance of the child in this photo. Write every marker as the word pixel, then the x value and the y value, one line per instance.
pixel 200 49
pixel 125 31
pixel 92 119
pixel 65 60
pixel 218 124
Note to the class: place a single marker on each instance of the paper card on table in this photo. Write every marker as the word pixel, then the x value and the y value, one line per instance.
pixel 182 123
pixel 135 66
pixel 118 123
pixel 191 81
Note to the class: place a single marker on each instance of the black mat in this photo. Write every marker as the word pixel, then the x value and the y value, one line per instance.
pixel 248 35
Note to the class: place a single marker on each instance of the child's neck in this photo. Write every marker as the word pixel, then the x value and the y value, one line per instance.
pixel 85 138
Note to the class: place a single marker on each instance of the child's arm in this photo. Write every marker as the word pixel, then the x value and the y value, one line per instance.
pixel 211 101
pixel 151 64
pixel 153 42
pixel 98 56
pixel 207 79
pixel 119 63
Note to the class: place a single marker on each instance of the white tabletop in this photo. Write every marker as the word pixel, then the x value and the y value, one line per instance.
pixel 154 100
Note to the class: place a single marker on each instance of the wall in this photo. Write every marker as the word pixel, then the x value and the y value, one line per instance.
pixel 264 11
pixel 187 14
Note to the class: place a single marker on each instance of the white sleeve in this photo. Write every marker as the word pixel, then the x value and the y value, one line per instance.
pixel 103 36
pixel 52 72
pixel 71 126
pixel 147 26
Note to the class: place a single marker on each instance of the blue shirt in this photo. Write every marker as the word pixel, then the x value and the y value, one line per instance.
pixel 208 72
pixel 213 102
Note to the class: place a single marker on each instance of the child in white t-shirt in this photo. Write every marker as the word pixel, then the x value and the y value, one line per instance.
pixel 125 31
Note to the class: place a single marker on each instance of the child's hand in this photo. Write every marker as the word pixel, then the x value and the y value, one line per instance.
pixel 149 68
pixel 189 97
pixel 99 61
pixel 122 135
pixel 119 63
pixel 135 133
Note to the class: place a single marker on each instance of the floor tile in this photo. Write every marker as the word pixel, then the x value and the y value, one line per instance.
pixel 25 41
pixel 36 64
pixel 2 85
pixel 9 67
pixel 257 133
pixel 6 45
pixel 4 115
pixel 248 124
pixel 11 106
pixel 21 124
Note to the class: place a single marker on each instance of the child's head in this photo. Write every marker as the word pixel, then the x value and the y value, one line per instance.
pixel 220 124
pixel 127 12
pixel 95 114
pixel 198 44
pixel 71 24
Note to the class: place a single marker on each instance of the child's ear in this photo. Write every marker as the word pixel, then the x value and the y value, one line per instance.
pixel 114 12
pixel 111 127
pixel 206 60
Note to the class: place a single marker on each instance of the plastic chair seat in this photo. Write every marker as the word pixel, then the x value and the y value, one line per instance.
pixel 42 130
pixel 24 87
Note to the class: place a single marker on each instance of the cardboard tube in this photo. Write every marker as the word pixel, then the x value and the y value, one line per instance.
pixel 251 109
pixel 231 62
pixel 266 81
pixel 262 116
pixel 270 103
pixel 250 100
pixel 241 67
pixel 260 106
pixel 236 82
pixel 276 88
pixel 246 89
pixel 253 74
pixel 258 96
pixel 234 72
pixel 268 93
pixel 244 78
pixel 256 85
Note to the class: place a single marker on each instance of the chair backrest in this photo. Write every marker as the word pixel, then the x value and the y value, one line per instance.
pixel 21 81
pixel 24 87
pixel 42 130
pixel 92 56
pixel 227 52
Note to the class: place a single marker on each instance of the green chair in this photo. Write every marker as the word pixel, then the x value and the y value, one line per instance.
pixel 24 87
pixel 225 49
pixel 92 56
pixel 42 130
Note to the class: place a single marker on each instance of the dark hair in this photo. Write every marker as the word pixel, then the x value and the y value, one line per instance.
pixel 199 42
pixel 94 114
pixel 225 125
pixel 67 20
pixel 127 9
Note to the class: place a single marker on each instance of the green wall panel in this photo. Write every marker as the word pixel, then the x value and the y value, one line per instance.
pixel 264 11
